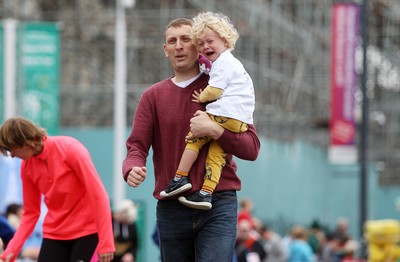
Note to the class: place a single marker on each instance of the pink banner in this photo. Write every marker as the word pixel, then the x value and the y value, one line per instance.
pixel 345 21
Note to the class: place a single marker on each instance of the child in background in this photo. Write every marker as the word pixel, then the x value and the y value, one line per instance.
pixel 231 101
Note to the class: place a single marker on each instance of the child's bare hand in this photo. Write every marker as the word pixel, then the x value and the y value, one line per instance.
pixel 196 96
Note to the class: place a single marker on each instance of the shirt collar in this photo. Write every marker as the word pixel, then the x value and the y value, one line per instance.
pixel 45 152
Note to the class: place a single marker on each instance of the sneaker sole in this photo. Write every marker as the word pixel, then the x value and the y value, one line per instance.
pixel 195 205
pixel 182 189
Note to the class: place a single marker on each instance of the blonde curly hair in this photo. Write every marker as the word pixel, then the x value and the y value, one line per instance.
pixel 217 22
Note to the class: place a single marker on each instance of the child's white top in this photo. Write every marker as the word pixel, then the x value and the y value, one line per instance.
pixel 238 99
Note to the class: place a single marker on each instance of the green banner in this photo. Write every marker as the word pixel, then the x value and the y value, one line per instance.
pixel 38 73
pixel 1 75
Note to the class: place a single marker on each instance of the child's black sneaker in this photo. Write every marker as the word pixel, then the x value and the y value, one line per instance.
pixel 176 187
pixel 197 200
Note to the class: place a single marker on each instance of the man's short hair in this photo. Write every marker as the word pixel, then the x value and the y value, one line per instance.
pixel 178 22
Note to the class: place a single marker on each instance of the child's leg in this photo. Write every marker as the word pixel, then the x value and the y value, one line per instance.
pixel 216 159
pixel 190 155
pixel 180 183
pixel 214 164
pixel 230 124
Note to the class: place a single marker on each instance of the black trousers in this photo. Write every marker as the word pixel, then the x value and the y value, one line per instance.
pixel 74 250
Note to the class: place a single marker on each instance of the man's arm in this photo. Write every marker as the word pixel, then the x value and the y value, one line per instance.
pixel 138 143
pixel 244 145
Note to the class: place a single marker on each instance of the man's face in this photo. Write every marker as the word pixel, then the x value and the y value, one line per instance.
pixel 243 230
pixel 179 50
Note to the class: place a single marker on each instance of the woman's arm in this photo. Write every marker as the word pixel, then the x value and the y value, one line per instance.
pixel 80 161
pixel 31 204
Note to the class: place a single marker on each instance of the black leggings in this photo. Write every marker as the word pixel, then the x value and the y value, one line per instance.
pixel 74 250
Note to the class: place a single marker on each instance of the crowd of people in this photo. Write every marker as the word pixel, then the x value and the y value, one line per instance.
pixel 256 241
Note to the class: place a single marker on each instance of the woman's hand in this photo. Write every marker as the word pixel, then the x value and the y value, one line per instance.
pixel 107 257
pixel 8 257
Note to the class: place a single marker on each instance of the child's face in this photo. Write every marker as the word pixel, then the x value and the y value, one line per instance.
pixel 211 45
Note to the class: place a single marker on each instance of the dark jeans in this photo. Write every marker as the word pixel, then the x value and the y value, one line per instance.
pixel 74 250
pixel 191 235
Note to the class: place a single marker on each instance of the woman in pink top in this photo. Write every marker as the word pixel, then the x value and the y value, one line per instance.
pixel 78 220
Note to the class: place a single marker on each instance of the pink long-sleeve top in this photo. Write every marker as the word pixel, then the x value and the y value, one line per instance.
pixel 77 202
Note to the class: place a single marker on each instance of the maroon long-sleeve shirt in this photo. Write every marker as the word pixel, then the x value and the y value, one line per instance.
pixel 162 121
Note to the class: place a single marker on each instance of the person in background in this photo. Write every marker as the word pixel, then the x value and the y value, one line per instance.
pixel 6 231
pixel 162 117
pixel 155 237
pixel 246 209
pixel 59 168
pixel 13 214
pixel 341 230
pixel 340 233
pixel 299 249
pixel 248 245
pixel 332 249
pixel 350 251
pixel 125 231
pixel 273 245
pixel 315 238
pixel 229 99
